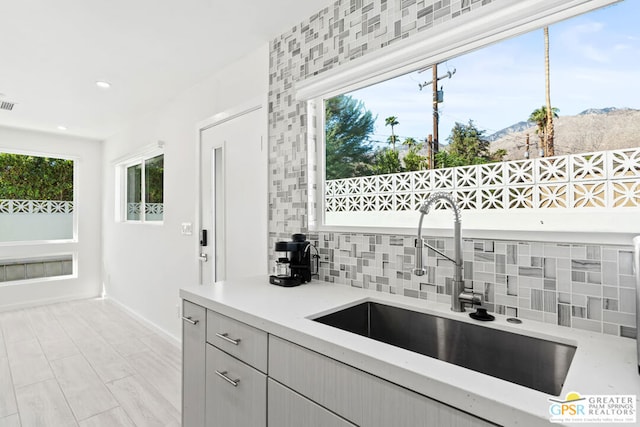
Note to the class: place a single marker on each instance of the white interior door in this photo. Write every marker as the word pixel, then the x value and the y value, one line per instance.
pixel 233 208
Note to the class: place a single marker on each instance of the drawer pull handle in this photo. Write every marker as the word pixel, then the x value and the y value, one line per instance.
pixel 225 337
pixel 188 319
pixel 224 376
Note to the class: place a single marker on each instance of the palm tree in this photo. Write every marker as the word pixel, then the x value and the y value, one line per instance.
pixel 410 142
pixel 392 121
pixel 550 131
pixel 540 117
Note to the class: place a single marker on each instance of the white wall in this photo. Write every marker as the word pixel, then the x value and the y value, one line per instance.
pixel 88 247
pixel 145 265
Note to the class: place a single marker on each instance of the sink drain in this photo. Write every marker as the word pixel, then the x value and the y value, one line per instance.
pixel 514 320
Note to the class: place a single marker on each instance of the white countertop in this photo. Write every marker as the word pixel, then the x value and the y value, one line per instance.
pixel 602 364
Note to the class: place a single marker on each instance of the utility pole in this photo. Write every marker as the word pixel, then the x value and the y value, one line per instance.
pixel 436 100
pixel 436 119
pixel 430 156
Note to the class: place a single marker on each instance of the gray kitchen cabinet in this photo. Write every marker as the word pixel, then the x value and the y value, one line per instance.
pixel 193 364
pixel 237 375
pixel 286 408
pixel 359 397
pixel 236 393
pixel 238 339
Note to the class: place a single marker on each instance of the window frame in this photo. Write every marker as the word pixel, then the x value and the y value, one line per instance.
pixel 76 202
pixel 122 186
pixel 493 23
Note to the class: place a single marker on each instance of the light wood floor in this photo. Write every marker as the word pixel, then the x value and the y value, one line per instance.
pixel 85 363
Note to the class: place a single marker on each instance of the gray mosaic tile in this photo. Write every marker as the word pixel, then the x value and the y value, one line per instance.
pixel 585 265
pixel 610 304
pixel 627 302
pixel 578 252
pixel 577 311
pixel 593 253
pixel 520 274
pixel 610 292
pixel 512 254
pixel 624 319
pixel 578 276
pixel 610 329
pixel 626 281
pixel 554 250
pixel 530 271
pixel 537 299
pixel 594 308
pixel 587 325
pixel 586 289
pixel 628 332
pixel 549 265
pixel 625 262
pixel 550 301
pixel 564 315
pixel 564 298
pixel 609 273
pixel 531 314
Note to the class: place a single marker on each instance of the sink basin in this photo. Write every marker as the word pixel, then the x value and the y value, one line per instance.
pixel 531 362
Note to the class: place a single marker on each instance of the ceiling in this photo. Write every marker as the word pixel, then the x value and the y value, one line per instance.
pixel 53 52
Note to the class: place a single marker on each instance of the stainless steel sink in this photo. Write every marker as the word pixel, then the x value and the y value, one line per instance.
pixel 531 362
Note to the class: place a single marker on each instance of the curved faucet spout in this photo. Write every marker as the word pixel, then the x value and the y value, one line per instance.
pixel 458 282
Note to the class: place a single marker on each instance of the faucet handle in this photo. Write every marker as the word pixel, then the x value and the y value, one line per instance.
pixel 470 297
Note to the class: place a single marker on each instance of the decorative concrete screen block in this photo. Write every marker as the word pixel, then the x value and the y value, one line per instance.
pixel 609 179
pixel 153 211
pixel 35 206
pixel 29 220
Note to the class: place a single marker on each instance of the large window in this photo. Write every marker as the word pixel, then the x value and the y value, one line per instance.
pixel 544 121
pixel 143 189
pixel 36 198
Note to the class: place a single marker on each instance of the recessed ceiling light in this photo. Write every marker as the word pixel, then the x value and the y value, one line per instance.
pixel 103 85
pixel 62 128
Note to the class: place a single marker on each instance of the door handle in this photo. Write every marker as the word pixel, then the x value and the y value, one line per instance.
pixel 203 257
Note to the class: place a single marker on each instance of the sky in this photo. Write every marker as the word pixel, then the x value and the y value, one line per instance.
pixel 594 63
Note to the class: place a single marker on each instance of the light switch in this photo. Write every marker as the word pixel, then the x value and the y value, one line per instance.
pixel 187 229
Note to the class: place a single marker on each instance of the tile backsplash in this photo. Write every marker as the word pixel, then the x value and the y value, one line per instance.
pixel 588 287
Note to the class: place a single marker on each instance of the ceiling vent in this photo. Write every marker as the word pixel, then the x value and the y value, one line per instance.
pixel 6 105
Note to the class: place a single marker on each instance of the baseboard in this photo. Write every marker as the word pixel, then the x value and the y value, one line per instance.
pixel 45 301
pixel 148 323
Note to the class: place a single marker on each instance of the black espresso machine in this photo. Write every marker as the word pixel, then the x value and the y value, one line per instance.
pixel 294 262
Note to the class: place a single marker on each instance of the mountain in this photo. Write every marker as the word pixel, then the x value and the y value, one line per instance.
pixel 602 110
pixel 592 130
pixel 518 127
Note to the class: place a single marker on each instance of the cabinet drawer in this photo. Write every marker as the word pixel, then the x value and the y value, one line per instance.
pixel 289 409
pixel 236 394
pixel 238 339
pixel 361 398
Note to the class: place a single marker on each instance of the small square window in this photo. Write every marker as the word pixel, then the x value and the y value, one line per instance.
pixel 143 189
